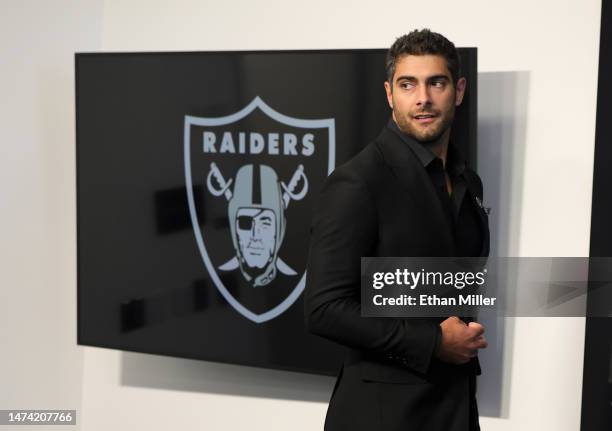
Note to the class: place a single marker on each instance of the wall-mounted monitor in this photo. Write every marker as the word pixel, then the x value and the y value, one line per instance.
pixel 197 177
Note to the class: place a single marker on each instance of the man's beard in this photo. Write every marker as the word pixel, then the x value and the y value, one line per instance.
pixel 429 134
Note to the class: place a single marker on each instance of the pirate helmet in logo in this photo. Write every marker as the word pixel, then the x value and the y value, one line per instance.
pixel 257 222
pixel 256 215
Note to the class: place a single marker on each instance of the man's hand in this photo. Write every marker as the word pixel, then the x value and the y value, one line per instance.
pixel 460 342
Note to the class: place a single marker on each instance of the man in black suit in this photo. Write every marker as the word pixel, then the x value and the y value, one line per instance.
pixel 408 193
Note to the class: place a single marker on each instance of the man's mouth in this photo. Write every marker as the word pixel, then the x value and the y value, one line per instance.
pixel 424 118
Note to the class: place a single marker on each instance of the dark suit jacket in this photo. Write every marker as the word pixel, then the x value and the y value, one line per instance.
pixel 382 203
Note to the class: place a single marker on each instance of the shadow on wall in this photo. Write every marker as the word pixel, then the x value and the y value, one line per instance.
pixel 501 155
pixel 502 117
pixel 163 372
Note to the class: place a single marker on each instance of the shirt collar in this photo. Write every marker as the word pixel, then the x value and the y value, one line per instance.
pixel 455 161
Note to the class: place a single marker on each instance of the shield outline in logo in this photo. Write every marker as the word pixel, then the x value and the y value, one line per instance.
pixel 257 102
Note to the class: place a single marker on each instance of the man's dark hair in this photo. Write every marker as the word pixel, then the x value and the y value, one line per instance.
pixel 422 42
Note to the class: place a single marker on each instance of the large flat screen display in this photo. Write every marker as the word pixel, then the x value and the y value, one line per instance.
pixel 197 178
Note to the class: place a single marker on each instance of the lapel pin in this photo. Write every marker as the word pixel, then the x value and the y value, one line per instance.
pixel 487 210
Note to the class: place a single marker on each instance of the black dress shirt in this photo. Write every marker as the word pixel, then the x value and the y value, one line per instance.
pixel 460 211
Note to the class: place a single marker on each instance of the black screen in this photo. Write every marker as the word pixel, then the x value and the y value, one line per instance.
pixel 197 176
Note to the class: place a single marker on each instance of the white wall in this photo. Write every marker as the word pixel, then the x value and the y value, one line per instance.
pixel 538 75
pixel 41 366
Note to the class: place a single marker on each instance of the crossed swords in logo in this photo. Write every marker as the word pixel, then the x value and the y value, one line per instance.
pixel 289 190
pixel 289 194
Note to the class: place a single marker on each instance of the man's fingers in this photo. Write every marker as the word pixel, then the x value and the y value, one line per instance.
pixel 455 319
pixel 476 325
pixel 477 329
pixel 472 353
pixel 480 343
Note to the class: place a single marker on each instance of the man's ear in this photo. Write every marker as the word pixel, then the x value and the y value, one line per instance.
pixel 460 91
pixel 389 94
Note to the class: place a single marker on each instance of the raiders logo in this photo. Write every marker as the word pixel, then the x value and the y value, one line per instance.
pixel 255 171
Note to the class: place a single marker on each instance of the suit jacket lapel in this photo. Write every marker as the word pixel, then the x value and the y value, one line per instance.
pixel 475 194
pixel 414 178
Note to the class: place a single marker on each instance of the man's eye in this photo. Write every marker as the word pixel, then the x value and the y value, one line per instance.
pixel 438 84
pixel 406 85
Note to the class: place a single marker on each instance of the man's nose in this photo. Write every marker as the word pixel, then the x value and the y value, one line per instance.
pixel 423 96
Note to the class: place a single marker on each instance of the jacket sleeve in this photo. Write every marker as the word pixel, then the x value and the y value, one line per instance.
pixel 345 228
